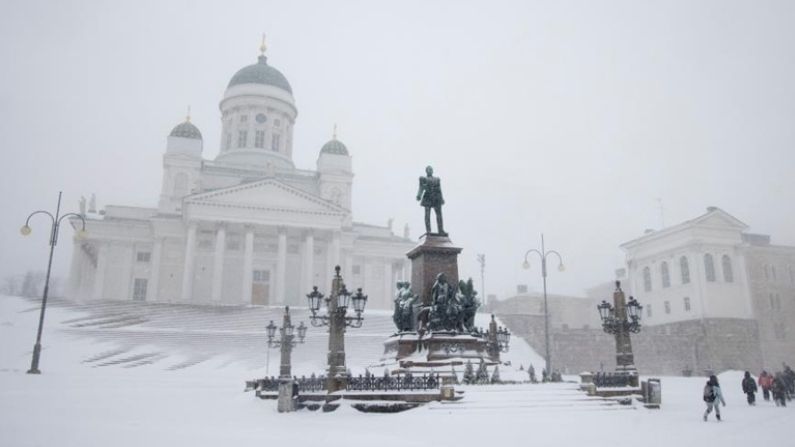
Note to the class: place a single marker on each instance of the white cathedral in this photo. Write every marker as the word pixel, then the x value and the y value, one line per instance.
pixel 245 228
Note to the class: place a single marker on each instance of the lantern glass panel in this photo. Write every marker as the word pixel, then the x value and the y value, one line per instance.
pixel 271 329
pixel 359 301
pixel 288 330
pixel 342 298
pixel 301 331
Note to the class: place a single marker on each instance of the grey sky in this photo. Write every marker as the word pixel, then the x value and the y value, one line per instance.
pixel 570 118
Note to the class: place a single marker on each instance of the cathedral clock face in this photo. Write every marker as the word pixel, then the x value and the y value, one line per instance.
pixel 261 118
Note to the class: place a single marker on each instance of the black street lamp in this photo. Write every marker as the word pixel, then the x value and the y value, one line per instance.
pixel 498 338
pixel 544 254
pixel 286 341
pixel 26 230
pixel 620 319
pixel 337 320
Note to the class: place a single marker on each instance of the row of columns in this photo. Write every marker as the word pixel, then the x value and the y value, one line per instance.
pixel 307 272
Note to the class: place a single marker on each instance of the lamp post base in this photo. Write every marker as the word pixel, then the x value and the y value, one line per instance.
pixel 34 364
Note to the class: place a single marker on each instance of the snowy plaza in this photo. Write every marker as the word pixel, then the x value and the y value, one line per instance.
pixel 190 392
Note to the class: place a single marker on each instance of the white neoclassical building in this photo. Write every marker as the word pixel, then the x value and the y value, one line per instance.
pixel 247 227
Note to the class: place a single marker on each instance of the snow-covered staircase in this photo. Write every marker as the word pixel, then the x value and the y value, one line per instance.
pixel 527 398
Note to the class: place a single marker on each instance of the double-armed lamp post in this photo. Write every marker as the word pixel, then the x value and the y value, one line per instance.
pixel 26 230
pixel 337 320
pixel 544 254
pixel 620 319
pixel 286 342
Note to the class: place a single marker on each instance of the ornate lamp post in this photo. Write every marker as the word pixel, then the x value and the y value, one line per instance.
pixel 286 342
pixel 337 320
pixel 544 254
pixel 26 230
pixel 621 318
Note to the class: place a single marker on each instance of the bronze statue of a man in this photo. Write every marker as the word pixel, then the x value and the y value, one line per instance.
pixel 430 196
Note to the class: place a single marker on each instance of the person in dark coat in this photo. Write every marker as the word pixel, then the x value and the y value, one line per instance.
pixel 779 390
pixel 749 388
pixel 713 397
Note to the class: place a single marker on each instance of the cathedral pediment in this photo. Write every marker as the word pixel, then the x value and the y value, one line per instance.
pixel 267 202
pixel 268 194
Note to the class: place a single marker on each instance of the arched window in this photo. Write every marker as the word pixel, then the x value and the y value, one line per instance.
pixel 728 274
pixel 180 185
pixel 684 266
pixel 646 279
pixel 709 267
pixel 666 275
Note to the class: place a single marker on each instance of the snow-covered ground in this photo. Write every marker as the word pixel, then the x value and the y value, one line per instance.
pixel 156 384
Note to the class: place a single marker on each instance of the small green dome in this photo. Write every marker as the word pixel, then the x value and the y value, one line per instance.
pixel 186 130
pixel 334 146
pixel 260 73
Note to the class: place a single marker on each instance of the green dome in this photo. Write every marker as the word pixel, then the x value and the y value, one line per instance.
pixel 260 73
pixel 334 147
pixel 186 130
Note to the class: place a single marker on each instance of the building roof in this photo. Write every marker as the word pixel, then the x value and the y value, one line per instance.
pixel 334 146
pixel 712 212
pixel 186 130
pixel 260 73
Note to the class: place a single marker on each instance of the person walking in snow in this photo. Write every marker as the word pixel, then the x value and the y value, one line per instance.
pixel 713 397
pixel 766 383
pixel 779 390
pixel 749 388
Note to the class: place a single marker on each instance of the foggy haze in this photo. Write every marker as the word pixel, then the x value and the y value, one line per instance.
pixel 567 118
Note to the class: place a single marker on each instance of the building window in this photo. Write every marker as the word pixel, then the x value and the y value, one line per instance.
pixel 780 331
pixel 666 277
pixel 687 304
pixel 143 256
pixel 261 275
pixel 667 307
pixel 233 243
pixel 243 118
pixel 356 269
pixel 648 311
pixel 728 274
pixel 646 279
pixel 242 136
pixel 772 302
pixel 275 142
pixel 259 139
pixel 709 267
pixel 773 272
pixel 684 266
pixel 228 140
pixel 139 289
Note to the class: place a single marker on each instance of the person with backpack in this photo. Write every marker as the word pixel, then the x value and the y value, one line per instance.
pixel 713 397
pixel 749 388
pixel 779 390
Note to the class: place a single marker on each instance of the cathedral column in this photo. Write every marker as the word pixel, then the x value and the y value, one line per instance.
pixel 248 261
pixel 154 272
pixel 307 261
pixel 332 257
pixel 281 266
pixel 99 274
pixel 218 263
pixel 190 262
pixel 389 283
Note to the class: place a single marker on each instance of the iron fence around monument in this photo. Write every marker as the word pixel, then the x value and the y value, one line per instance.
pixel 390 383
pixel 317 384
pixel 612 379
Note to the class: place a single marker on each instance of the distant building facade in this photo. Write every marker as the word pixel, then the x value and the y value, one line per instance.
pixel 714 297
pixel 247 227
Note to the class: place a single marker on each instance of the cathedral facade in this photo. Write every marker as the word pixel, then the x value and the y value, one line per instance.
pixel 247 227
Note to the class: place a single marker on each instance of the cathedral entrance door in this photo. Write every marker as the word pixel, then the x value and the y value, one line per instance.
pixel 260 287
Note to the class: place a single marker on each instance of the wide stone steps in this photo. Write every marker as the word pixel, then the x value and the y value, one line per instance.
pixel 526 398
